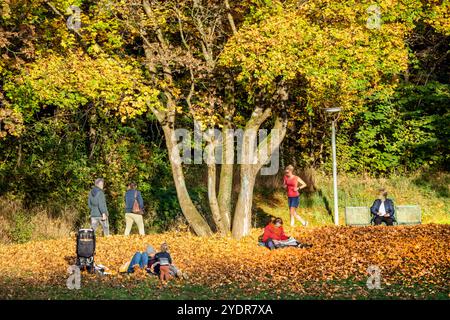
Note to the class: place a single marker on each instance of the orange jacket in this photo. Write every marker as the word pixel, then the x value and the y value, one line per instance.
pixel 274 233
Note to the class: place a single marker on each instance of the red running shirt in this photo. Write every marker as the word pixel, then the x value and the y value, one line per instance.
pixel 291 184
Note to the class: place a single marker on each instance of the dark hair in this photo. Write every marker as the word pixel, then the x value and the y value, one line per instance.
pixel 278 220
pixel 132 185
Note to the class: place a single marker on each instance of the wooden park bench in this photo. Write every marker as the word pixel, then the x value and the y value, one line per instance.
pixel 404 215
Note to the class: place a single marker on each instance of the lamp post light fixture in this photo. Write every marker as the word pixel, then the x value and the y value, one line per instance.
pixel 334 111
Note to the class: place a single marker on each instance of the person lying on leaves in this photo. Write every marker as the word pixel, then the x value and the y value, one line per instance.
pixel 148 260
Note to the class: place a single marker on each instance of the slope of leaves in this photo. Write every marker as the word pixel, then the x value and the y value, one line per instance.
pixel 406 255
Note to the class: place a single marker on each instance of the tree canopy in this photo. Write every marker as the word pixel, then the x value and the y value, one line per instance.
pixel 112 93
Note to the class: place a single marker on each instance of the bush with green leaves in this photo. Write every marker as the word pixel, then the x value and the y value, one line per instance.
pixel 22 228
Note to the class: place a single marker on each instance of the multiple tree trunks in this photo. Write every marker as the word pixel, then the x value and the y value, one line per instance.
pixel 220 201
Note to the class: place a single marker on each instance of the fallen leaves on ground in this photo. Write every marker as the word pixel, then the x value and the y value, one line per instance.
pixel 406 255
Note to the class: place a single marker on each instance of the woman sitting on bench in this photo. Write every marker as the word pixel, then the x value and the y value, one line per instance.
pixel 383 209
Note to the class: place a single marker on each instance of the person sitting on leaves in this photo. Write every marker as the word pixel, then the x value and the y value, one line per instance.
pixel 274 237
pixel 153 267
pixel 162 263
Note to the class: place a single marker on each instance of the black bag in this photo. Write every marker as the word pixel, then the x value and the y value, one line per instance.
pixel 86 249
pixel 260 238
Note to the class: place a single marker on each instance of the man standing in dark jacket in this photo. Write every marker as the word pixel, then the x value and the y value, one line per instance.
pixel 97 204
pixel 383 209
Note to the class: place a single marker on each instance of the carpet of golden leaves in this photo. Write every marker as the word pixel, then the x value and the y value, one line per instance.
pixel 405 255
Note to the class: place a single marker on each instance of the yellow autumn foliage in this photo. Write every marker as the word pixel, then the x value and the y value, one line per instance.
pixel 117 86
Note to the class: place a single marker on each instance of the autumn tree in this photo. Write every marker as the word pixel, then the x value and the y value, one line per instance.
pixel 246 65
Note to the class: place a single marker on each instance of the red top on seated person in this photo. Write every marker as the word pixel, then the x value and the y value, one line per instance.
pixel 274 230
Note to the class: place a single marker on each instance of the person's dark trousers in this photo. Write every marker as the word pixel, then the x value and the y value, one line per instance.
pixel 270 244
pixel 389 221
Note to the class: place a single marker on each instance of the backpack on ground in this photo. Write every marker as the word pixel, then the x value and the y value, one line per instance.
pixel 260 238
pixel 86 249
pixel 260 241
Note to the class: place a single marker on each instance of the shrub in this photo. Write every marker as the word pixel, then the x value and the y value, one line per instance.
pixel 22 230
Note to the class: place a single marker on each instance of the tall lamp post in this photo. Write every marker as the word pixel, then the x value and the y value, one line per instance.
pixel 334 112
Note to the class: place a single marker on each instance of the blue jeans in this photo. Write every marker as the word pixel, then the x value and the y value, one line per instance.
pixel 293 202
pixel 139 258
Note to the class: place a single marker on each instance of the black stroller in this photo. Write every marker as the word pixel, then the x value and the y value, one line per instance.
pixel 86 250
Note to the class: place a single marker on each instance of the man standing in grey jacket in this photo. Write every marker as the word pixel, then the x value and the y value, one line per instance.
pixel 97 204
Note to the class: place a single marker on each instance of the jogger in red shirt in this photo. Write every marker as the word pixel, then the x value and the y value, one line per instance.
pixel 290 182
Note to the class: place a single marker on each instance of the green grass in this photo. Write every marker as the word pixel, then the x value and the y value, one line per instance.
pixel 148 290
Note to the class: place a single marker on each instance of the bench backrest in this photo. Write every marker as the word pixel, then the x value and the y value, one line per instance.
pixel 408 215
pixel 404 215
pixel 357 216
